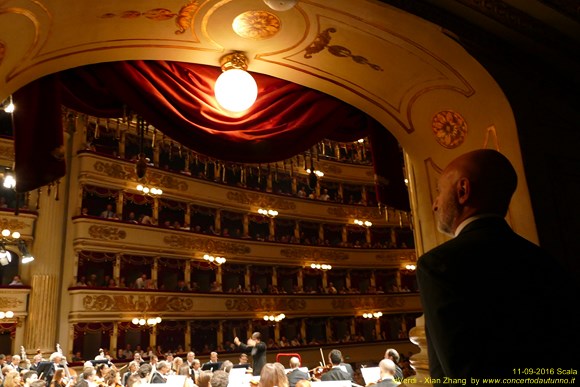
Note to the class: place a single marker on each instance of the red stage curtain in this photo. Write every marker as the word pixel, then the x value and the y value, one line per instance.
pixel 177 98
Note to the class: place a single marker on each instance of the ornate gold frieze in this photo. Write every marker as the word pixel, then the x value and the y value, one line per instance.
pixel 356 213
pixel 257 25
pixel 155 14
pixel 314 254
pixel 7 152
pixel 185 16
pixel 330 168
pixel 132 303
pixel 2 51
pixel 166 181
pixel 206 245
pixel 11 224
pixel 366 303
pixel 9 303
pixel 449 129
pixel 260 200
pixel 397 256
pixel 115 170
pixel 263 304
pixel 107 232
pixel 322 41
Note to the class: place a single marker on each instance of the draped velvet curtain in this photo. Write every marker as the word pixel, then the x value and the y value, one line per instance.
pixel 177 98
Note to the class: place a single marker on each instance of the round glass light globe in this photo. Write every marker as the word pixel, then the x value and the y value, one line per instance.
pixel 236 90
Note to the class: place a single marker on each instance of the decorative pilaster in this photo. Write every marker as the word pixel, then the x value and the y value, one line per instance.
pixel 352 326
pixel 373 279
pixel 303 328
pixel 187 218
pixel 75 269
pixel 269 181
pixel 153 336
pixel 248 277
pixel 347 281
pixel 363 195
pixel 272 228
pixel 297 230
pixel 377 329
pixel 394 237
pixel 218 221
pixel 188 336
pixel 300 280
pixel 321 232
pixel 324 279
pixel 156 153
pixel 368 235
pixel 187 160
pixel 398 279
pixel 187 272
pixel 114 337
pixel 155 210
pixel 122 142
pixel 120 198
pixel 246 226
pixel 42 313
pixel 154 271
pixel 250 328
pixel 294 185
pixel 117 269
pixel 344 234
pixel 341 192
pixel 328 327
pixel 218 275
pixel 220 333
pixel 274 276
pixel 277 332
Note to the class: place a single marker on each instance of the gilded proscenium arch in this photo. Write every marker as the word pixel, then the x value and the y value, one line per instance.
pixel 393 110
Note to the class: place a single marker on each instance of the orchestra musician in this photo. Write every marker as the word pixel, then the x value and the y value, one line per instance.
pixel 256 348
pixel 133 367
pixel 295 373
pixel 12 379
pixel 29 377
pixel 388 370
pixel 87 377
pixel 335 373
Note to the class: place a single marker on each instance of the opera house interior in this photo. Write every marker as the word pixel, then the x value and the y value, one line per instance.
pixel 147 202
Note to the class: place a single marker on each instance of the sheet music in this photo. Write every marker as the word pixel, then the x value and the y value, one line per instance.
pixel 371 374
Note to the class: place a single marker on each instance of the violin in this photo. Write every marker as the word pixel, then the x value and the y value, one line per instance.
pixel 70 375
pixel 317 372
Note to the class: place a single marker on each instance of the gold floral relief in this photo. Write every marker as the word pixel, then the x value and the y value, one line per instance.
pixel 7 152
pixel 365 303
pixel 185 16
pixel 397 257
pixel 263 304
pixel 115 170
pixel 132 303
pixel 314 254
pixel 257 25
pixel 449 129
pixel 9 303
pixel 107 233
pixel 259 200
pixel 11 224
pixel 206 245
pixel 155 14
pixel 357 213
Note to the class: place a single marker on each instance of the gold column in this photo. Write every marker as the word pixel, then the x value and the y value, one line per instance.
pixel 246 225
pixel 79 207
pixel 187 272
pixel 155 210
pixel 154 271
pixel 114 338
pixel 297 230
pixel 317 189
pixel 119 211
pixel 344 234
pixel 303 332
pixel 394 237
pixel 341 192
pixel 187 156
pixel 368 235
pixel 272 228
pixel 153 336
pixel 117 269
pixel 300 278
pixel 71 337
pixel 75 269
pixel 398 279
pixel 377 328
pixel 122 142
pixel 294 185
pixel 274 276
pixel 353 326
pixel 324 279
pixel 321 232
pixel 328 327
pixel 363 195
pixel 188 336
pixel 43 310
pixel 218 276
pixel 248 277
pixel 269 181
pixel 220 333
pixel 347 282
pixel 277 332
pixel 218 221
pixel 156 152
pixel 373 279
pixel 250 328
pixel 187 218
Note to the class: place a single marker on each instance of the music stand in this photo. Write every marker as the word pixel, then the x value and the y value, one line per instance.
pixel 211 366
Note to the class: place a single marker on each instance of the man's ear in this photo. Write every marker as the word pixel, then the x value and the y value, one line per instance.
pixel 463 190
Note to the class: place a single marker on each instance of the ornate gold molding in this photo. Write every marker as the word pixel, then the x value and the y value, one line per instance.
pixel 107 232
pixel 205 245
pixel 257 25
pixel 165 180
pixel 132 303
pixel 397 256
pixel 6 152
pixel 265 304
pixel 314 254
pixel 11 303
pixel 359 303
pixel 449 129
pixel 356 213
pixel 260 200
pixel 115 170
pixel 11 224
pixel 331 168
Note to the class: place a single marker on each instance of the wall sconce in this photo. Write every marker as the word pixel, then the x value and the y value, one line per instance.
pixel 315 171
pixel 9 180
pixel 275 318
pixel 7 314
pixel 318 266
pixel 235 89
pixel 410 267
pixel 363 223
pixel 151 321
pixel 268 213
pixel 373 315
pixel 216 260
pixel 8 105
pixel 147 190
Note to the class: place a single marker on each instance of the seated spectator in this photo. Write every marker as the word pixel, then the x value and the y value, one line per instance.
pixel 109 213
pixel 131 218
pixel 16 281
pixel 145 219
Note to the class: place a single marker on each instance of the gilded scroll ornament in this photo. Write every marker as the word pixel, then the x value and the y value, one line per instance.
pixel 2 52
pixel 206 245
pixel 396 257
pixel 262 304
pixel 357 213
pixel 368 303
pixel 107 233
pixel 7 152
pixel 115 170
pixel 314 254
pixel 322 41
pixel 132 303
pixel 259 200
pixel 185 16
pixel 257 25
pixel 11 224
pixel 449 129
pixel 9 303
pixel 155 14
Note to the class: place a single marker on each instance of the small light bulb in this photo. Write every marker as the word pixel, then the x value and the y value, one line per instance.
pixel 139 187
pixel 2 315
pixel 135 321
pixel 5 232
pixel 15 235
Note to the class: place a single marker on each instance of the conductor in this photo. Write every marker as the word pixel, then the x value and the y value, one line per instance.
pixel 256 348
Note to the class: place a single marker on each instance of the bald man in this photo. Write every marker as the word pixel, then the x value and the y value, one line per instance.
pixel 490 296
pixel 295 373
pixel 388 369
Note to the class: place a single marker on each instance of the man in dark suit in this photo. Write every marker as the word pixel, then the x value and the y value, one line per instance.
pixel 257 349
pixel 388 369
pixel 87 377
pixel 489 291
pixel 393 355
pixel 336 372
pixel 295 373
pixel 160 374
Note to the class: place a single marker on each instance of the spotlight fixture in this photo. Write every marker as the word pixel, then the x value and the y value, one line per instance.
pixel 215 260
pixel 275 318
pixel 363 223
pixel 268 213
pixel 323 266
pixel 150 321
pixel 373 315
pixel 149 190
pixel 5 257
pixel 235 89
pixel 26 256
